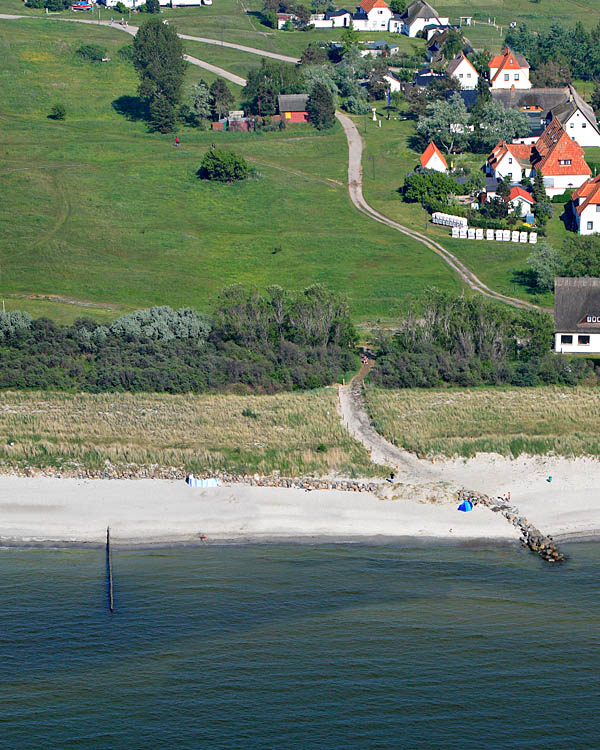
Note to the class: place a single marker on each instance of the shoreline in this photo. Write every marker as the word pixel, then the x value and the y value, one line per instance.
pixel 557 495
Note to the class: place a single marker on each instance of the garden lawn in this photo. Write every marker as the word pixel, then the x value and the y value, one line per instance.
pixel 96 209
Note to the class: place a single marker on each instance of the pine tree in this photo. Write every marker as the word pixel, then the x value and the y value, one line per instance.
pixel 163 115
pixel 320 107
pixel 221 98
pixel 158 60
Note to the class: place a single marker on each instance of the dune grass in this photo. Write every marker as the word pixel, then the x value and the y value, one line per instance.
pixel 511 421
pixel 297 434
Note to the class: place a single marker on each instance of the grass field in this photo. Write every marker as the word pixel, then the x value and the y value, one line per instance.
pixel 294 433
pixel 511 421
pixel 98 209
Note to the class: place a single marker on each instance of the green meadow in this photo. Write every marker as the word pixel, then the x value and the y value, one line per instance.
pixel 98 210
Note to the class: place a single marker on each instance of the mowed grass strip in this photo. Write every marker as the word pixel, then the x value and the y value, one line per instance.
pixel 297 434
pixel 97 209
pixel 534 421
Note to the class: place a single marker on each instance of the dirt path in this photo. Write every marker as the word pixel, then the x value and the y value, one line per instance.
pixel 358 423
pixel 241 47
pixel 356 195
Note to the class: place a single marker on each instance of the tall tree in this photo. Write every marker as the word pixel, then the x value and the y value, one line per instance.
pixel 546 263
pixel 221 98
pixel 446 123
pixel 158 60
pixel 349 38
pixel 493 123
pixel 453 44
pixel 320 107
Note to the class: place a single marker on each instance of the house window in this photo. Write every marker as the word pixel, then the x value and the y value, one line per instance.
pixel 566 339
pixel 583 340
pixel 506 77
pixel 597 207
pixel 516 76
pixel 590 225
pixel 584 124
pixel 509 175
pixel 510 159
pixel 565 162
pixel 460 75
pixel 571 124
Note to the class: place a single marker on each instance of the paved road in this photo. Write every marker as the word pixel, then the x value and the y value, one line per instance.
pixel 243 48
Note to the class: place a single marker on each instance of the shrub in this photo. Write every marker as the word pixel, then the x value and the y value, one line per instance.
pixel 223 166
pixel 563 197
pixel 120 8
pixel 126 52
pixel 247 412
pixel 357 105
pixel 36 3
pixel 58 112
pixel 91 52
pixel 152 6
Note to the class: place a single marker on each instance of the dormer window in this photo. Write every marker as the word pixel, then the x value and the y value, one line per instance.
pixel 564 162
pixel 512 62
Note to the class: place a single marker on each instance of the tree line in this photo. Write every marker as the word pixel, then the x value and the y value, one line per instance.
pixel 278 340
pixel 468 341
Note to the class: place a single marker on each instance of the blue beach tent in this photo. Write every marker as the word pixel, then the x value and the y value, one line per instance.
pixel 466 506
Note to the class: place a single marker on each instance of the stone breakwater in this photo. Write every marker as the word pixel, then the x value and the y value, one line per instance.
pixel 175 474
pixel 531 536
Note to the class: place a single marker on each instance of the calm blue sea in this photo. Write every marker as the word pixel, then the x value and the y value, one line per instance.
pixel 299 646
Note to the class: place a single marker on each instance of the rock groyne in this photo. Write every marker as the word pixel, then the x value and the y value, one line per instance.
pixel 531 537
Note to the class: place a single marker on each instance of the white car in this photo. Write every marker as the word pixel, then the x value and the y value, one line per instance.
pixel 206 2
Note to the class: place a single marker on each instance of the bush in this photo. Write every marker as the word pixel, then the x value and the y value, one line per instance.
pixel 58 112
pixel 120 8
pixel 126 52
pixel 57 5
pixel 36 3
pixel 563 197
pixel 357 105
pixel 223 166
pixel 91 52
pixel 428 186
pixel 152 6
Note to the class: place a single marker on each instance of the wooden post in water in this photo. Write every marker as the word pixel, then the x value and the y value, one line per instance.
pixel 110 573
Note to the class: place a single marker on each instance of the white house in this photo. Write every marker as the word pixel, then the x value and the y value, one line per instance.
pixel 462 69
pixel 372 15
pixel 510 160
pixel 418 16
pixel 378 48
pixel 509 71
pixel 560 160
pixel 586 207
pixel 432 158
pixel 577 118
pixel 336 19
pixel 393 83
pixel 520 201
pixel 577 315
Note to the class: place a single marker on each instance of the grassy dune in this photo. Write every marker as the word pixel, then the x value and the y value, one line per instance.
pixel 294 433
pixel 507 421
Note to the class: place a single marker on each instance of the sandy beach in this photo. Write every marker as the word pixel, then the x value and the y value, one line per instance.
pixel 46 509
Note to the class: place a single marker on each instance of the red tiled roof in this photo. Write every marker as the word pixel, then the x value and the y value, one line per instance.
pixel 508 60
pixel 518 192
pixel 429 152
pixel 590 191
pixel 368 5
pixel 553 148
pixel 519 151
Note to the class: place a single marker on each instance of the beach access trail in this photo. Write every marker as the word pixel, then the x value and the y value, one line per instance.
pixel 355 147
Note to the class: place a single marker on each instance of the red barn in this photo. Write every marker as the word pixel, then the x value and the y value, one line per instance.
pixel 292 107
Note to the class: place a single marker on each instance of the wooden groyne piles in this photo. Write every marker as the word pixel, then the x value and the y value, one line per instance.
pixel 531 536
pixel 111 601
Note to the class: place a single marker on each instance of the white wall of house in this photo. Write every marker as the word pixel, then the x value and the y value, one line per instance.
pixel 319 21
pixel 419 24
pixel 508 166
pixel 377 19
pixel 588 221
pixel 556 185
pixel 520 206
pixel 466 75
pixel 580 129
pixel 393 83
pixel 508 79
pixel 577 344
pixel 436 164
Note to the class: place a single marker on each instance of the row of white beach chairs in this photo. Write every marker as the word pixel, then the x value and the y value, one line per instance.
pixel 498 235
pixel 448 220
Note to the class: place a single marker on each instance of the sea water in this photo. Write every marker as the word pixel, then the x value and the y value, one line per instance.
pixel 300 646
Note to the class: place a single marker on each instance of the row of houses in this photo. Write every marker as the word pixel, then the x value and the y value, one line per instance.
pixel 376 15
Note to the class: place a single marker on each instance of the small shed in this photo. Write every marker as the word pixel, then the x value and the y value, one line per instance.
pixel 292 107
